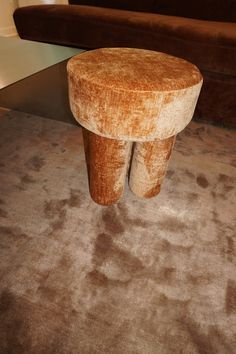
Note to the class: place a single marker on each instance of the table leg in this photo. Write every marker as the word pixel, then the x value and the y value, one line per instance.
pixel 149 165
pixel 107 163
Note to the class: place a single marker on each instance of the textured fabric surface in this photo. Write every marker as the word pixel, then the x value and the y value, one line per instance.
pixel 149 166
pixel 214 10
pixel 107 165
pixel 140 277
pixel 132 94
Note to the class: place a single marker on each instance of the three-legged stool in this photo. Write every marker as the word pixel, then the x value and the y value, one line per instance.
pixel 131 104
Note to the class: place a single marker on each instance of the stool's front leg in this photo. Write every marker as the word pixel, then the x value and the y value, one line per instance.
pixel 107 163
pixel 149 165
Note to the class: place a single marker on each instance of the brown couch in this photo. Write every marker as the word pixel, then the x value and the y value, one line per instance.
pixel 201 31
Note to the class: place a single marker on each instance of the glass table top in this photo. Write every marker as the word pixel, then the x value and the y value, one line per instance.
pixel 22 58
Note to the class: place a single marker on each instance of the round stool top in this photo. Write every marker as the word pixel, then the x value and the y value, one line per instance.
pixel 132 94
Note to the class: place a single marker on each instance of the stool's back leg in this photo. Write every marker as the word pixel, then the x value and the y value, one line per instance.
pixel 149 165
pixel 107 163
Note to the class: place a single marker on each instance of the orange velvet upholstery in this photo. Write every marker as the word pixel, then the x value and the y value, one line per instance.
pixel 125 95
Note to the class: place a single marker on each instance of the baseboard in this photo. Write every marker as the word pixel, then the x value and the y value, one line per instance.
pixel 9 31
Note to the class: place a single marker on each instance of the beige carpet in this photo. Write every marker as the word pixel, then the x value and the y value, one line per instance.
pixel 141 277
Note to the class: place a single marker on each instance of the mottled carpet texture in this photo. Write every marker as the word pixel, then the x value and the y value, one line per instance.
pixel 141 277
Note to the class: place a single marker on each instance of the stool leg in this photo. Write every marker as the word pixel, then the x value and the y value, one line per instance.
pixel 149 165
pixel 107 163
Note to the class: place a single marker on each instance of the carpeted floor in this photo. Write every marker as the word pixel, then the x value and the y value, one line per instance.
pixel 141 277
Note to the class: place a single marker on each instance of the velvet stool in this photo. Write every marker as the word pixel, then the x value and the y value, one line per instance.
pixel 131 104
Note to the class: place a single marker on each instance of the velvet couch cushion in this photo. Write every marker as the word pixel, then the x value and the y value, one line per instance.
pixel 208 44
pixel 213 10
